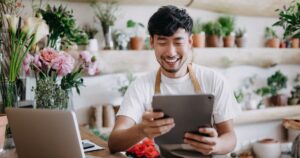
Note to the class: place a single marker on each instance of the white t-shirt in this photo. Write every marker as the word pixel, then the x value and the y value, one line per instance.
pixel 139 95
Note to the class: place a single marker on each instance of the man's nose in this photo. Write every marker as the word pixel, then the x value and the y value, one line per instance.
pixel 171 50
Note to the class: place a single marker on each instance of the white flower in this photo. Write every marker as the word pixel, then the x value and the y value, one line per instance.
pixel 30 25
pixel 41 31
pixel 12 21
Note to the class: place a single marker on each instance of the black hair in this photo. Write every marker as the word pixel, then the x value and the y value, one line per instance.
pixel 168 19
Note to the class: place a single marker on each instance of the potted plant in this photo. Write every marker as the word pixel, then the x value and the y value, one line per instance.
pixel 289 21
pixel 63 31
pixel 93 42
pixel 105 13
pixel 271 37
pixel 121 39
pixel 198 34
pixel 214 32
pixel 295 96
pixel 227 23
pixel 240 39
pixel 136 41
pixel 275 83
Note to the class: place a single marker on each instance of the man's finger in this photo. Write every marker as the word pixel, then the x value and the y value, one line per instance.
pixel 209 131
pixel 201 139
pixel 161 122
pixel 150 116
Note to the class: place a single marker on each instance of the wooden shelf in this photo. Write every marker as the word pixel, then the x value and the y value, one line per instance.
pixel 140 61
pixel 268 114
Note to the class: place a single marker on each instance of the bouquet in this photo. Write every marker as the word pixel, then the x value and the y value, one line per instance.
pixel 145 149
pixel 56 74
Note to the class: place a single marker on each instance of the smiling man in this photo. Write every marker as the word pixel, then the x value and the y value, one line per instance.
pixel 170 36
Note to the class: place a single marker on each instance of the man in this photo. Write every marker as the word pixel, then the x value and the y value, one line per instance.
pixel 170 36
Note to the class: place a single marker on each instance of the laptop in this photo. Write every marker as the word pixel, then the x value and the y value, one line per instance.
pixel 44 133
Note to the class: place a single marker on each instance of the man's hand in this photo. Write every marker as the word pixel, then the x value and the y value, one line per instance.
pixel 203 144
pixel 153 125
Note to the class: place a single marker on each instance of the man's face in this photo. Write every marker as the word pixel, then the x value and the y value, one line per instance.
pixel 172 51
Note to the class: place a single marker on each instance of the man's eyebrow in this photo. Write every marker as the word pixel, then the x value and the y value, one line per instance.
pixel 179 38
pixel 161 38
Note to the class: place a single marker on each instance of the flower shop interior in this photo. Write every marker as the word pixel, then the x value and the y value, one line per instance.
pixel 104 45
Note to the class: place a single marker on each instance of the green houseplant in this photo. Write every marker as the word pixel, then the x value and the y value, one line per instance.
pixel 136 41
pixel 198 34
pixel 228 26
pixel 240 39
pixel 275 83
pixel 105 13
pixel 214 32
pixel 289 21
pixel 62 27
pixel 271 37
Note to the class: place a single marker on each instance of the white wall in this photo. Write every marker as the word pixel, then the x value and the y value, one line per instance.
pixel 84 14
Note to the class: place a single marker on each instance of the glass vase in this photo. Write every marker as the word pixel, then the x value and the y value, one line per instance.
pixel 9 95
pixel 109 44
pixel 49 95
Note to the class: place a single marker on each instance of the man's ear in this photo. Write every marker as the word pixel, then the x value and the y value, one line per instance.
pixel 191 41
pixel 152 42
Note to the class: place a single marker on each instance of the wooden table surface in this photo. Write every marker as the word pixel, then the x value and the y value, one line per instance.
pixel 85 134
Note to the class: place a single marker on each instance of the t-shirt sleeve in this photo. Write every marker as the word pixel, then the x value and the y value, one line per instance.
pixel 132 104
pixel 225 106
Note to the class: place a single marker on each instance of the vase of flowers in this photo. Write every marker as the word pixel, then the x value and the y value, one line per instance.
pixel 105 13
pixel 56 75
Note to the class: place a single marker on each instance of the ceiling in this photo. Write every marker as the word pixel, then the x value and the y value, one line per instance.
pixel 238 7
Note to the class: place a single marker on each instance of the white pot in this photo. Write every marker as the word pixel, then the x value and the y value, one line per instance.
pixel 93 45
pixel 267 150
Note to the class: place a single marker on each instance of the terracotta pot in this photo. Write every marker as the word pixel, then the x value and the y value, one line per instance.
pixel 228 41
pixel 3 123
pixel 136 43
pixel 278 100
pixel 199 40
pixel 282 44
pixel 213 41
pixel 295 43
pixel 240 42
pixel 273 43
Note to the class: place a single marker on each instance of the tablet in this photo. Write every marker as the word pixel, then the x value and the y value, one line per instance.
pixel 189 112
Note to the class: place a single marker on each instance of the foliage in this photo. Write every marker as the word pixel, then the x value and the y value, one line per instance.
pixel 197 27
pixel 270 33
pixel 213 28
pixel 105 12
pixel 90 31
pixel 289 20
pixel 239 96
pixel 124 87
pixel 227 23
pixel 275 83
pixel 239 33
pixel 62 26
pixel 135 26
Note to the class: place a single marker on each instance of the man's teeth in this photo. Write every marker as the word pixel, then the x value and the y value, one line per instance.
pixel 171 60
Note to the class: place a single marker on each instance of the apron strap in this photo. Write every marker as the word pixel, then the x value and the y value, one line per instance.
pixel 192 75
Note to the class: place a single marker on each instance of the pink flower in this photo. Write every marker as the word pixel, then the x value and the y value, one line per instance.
pixel 85 56
pixel 37 61
pixel 63 64
pixel 93 68
pixel 26 63
pixel 48 55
